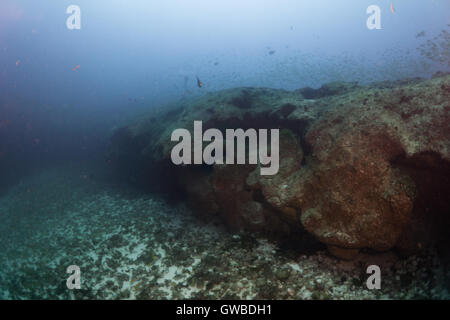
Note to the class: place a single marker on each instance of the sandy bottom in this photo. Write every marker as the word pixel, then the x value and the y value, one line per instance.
pixel 131 245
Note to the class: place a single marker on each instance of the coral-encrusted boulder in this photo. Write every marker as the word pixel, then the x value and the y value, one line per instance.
pixel 355 198
pixel 360 166
pixel 360 195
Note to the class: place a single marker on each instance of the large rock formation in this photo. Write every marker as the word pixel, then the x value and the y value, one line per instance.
pixel 360 166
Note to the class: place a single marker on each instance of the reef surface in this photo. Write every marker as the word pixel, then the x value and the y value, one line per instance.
pixel 362 167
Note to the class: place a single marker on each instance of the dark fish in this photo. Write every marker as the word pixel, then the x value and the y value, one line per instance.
pixel 271 52
pixel 199 83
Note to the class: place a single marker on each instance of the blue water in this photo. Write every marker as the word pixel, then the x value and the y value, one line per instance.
pixel 63 92
pixel 133 57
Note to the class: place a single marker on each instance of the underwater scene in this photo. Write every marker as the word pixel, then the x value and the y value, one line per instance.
pixel 225 150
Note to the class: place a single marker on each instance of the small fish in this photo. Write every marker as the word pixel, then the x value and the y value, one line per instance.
pixel 420 34
pixel 271 52
pixel 17 63
pixel 392 8
pixel 76 68
pixel 199 83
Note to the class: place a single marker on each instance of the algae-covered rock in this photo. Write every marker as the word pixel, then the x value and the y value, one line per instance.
pixel 362 193
pixel 360 166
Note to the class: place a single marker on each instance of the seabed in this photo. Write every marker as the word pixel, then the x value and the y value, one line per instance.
pixel 131 245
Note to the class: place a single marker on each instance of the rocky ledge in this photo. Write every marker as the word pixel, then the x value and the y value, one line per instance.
pixel 361 167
